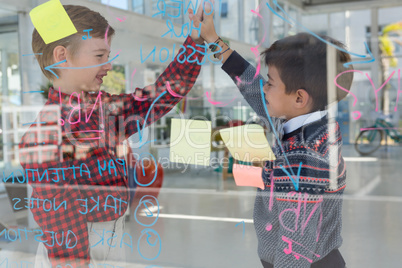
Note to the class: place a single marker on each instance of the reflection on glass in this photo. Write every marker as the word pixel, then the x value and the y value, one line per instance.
pixel 138 6
pixel 10 84
pixel 251 23
pixel 230 19
pixel 168 10
pixel 9 61
pixel 123 4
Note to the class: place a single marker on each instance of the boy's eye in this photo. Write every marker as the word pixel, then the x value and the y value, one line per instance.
pixel 101 56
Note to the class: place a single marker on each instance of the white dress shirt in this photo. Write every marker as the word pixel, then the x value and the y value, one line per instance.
pixel 302 120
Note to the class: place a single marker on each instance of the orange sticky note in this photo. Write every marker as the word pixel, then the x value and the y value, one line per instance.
pixel 52 21
pixel 248 176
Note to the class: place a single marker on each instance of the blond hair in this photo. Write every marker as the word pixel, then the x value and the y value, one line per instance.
pixel 83 18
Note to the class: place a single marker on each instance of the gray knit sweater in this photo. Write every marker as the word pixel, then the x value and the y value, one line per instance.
pixel 295 227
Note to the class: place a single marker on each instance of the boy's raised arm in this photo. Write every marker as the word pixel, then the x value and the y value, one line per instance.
pixel 208 32
pixel 149 104
pixel 169 89
pixel 242 73
pixel 248 82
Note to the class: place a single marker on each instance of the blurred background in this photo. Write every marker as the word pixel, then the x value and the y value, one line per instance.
pixel 202 205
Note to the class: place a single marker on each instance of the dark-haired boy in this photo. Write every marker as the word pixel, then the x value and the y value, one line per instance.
pixel 78 167
pixel 298 216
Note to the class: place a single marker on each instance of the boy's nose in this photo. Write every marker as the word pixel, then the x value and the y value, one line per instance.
pixel 107 66
pixel 265 88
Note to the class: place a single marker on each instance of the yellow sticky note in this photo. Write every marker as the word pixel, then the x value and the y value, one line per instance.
pixel 52 21
pixel 247 143
pixel 190 142
pixel 248 176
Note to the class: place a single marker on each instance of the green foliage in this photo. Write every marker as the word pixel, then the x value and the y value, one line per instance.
pixel 115 82
pixel 45 89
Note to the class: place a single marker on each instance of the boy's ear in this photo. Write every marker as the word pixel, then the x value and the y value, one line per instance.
pixel 303 99
pixel 59 54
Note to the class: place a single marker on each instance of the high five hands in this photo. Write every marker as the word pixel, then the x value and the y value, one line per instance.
pixel 205 18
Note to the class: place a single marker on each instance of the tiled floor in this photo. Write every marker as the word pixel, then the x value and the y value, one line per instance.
pixel 200 219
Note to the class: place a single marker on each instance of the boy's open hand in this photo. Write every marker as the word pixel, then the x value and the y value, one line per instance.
pixel 206 20
pixel 195 35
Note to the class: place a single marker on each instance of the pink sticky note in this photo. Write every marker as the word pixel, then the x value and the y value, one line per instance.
pixel 248 176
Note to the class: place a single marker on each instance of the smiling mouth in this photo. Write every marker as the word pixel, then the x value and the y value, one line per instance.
pixel 265 99
pixel 100 78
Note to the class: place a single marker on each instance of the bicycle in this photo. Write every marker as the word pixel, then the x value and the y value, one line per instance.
pixel 371 138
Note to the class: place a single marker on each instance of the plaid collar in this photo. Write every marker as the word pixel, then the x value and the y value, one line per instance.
pixel 56 96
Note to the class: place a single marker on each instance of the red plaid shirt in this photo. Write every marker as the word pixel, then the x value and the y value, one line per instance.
pixel 84 170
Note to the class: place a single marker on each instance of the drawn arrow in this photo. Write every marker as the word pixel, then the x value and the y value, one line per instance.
pixel 293 21
pixel 34 91
pixel 32 54
pixel 244 227
pixel 296 180
pixel 54 66
pixel 146 119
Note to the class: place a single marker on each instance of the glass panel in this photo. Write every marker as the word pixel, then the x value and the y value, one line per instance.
pixel 251 23
pixel 198 213
pixel 278 25
pixel 230 19
pixel 338 26
pixel 316 23
pixel 138 6
pixel 293 13
pixel 389 15
pixel 168 10
pixel 10 87
pixel 359 23
pixel 123 4
pixel 14 79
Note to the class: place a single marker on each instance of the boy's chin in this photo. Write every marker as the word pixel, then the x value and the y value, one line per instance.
pixel 275 115
pixel 271 113
pixel 91 89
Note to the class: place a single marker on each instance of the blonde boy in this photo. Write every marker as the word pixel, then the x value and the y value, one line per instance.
pixel 84 173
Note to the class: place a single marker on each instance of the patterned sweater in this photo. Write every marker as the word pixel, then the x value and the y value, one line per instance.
pixel 297 218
